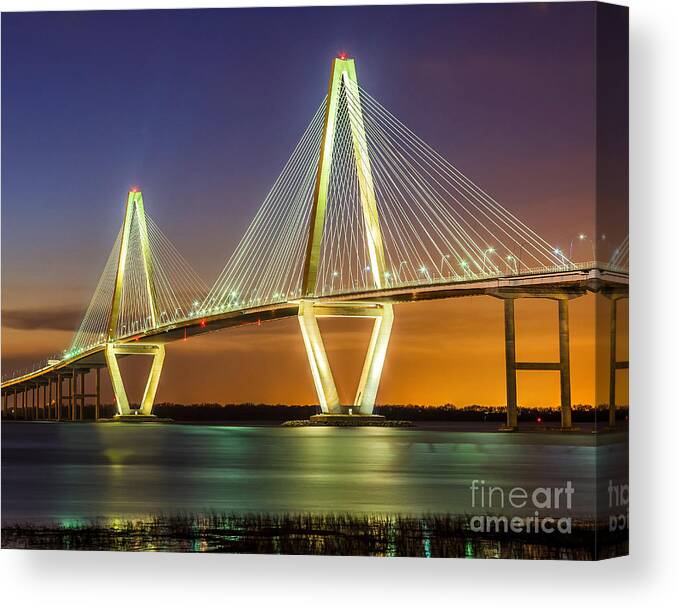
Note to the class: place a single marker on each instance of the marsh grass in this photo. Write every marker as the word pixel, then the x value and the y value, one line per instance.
pixel 313 534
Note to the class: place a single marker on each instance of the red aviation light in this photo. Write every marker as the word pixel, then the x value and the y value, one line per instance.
pixel 343 55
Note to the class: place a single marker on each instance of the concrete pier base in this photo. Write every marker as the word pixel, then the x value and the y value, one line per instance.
pixel 348 421
pixel 334 419
pixel 140 418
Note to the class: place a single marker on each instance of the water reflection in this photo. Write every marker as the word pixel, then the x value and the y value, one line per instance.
pixel 87 471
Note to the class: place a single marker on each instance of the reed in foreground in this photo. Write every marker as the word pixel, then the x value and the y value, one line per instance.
pixel 314 534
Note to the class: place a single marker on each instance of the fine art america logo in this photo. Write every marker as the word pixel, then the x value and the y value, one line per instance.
pixel 493 498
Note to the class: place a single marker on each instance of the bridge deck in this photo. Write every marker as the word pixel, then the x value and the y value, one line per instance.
pixel 549 284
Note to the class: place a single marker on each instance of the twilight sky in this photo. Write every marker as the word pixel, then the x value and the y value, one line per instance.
pixel 201 108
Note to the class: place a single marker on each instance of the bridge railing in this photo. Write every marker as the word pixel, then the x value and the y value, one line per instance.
pixel 33 368
pixel 434 279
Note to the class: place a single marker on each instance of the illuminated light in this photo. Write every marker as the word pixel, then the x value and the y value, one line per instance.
pixel 367 268
pixel 490 250
pixel 343 55
pixel 464 264
pixel 509 258
pixel 582 236
pixel 422 269
pixel 203 323
pixel 558 252
pixel 539 420
pixel 335 273
pixel 195 303
pixel 387 274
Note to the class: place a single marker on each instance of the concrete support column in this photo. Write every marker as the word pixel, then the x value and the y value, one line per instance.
pixel 366 394
pixel 82 395
pixel 71 398
pixel 510 350
pixel 564 345
pixel 24 402
pixel 59 396
pixel 49 399
pixel 142 349
pixel 321 371
pixel 612 421
pixel 97 391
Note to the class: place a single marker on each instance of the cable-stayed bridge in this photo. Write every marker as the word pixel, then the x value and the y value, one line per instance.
pixel 363 215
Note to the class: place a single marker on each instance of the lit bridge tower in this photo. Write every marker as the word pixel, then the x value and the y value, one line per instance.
pixel 344 77
pixel 134 226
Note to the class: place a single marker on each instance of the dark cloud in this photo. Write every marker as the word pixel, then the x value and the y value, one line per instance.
pixel 41 319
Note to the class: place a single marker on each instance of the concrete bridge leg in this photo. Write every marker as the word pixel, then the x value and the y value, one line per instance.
pixel 323 379
pixel 612 417
pixel 321 372
pixel 59 396
pixel 82 396
pixel 511 373
pixel 73 382
pixel 143 349
pixel 50 414
pixel 564 349
pixel 615 364
pixel 512 366
pixel 97 391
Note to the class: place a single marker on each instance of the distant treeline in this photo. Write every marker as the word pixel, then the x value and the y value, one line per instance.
pixel 278 413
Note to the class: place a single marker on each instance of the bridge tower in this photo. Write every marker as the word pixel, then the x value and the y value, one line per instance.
pixel 343 76
pixel 134 222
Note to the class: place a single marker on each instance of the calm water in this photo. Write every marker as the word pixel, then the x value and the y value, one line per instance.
pixel 63 471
